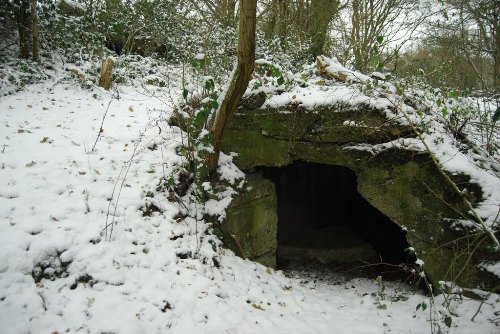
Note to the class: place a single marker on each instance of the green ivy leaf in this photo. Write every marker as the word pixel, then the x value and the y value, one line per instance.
pixel 421 305
pixel 275 72
pixel 496 116
pixel 214 104
pixel 453 95
pixel 439 102
pixel 444 111
pixel 209 85
pixel 199 64
pixel 170 181
pixel 380 39
pixel 447 321
pixel 491 248
pixel 185 93
pixel 200 118
pixel 206 139
pixel 281 80
pixel 225 60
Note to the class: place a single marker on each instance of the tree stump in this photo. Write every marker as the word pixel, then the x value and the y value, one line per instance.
pixel 106 73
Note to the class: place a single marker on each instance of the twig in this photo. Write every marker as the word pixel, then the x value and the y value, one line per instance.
pixel 125 167
pixel 448 179
pixel 87 206
pixel 102 122
pixel 163 163
pixel 238 244
pixel 445 202
pixel 483 301
pixel 106 225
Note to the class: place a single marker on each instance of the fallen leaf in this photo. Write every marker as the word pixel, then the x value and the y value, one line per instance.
pixel 45 140
pixel 257 307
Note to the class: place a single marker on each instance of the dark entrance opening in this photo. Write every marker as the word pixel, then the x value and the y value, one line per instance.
pixel 323 218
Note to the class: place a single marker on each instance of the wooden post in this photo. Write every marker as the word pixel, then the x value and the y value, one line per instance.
pixel 106 73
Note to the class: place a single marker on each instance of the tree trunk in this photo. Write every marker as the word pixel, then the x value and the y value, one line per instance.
pixel 496 74
pixel 22 14
pixel 35 31
pixel 496 55
pixel 230 9
pixel 281 24
pixel 321 13
pixel 239 80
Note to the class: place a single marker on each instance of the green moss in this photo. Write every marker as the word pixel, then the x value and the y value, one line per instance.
pixel 255 149
pixel 252 220
pixel 402 184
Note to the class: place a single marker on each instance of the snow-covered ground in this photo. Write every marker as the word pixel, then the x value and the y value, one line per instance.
pixel 57 196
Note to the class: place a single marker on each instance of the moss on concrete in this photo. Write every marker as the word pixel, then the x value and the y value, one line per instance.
pixel 402 184
pixel 251 223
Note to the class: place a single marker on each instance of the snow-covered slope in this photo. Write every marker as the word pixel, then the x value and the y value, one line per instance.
pixel 56 198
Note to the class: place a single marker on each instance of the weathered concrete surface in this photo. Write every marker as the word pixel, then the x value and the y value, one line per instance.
pixel 252 222
pixel 404 185
pixel 276 137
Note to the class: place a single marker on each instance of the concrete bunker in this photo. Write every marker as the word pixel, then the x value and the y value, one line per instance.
pixel 401 183
pixel 323 218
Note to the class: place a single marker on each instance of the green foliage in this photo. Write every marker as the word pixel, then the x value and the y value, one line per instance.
pixel 375 56
pixel 267 74
pixel 200 62
pixel 470 119
pixel 447 321
pixel 70 30
pixel 197 108
pixel 15 74
pixel 422 305
pixel 496 115
pixel 291 56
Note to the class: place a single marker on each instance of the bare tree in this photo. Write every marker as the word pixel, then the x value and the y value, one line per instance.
pixel 301 20
pixel 483 15
pixel 240 78
pixel 378 25
pixel 223 11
